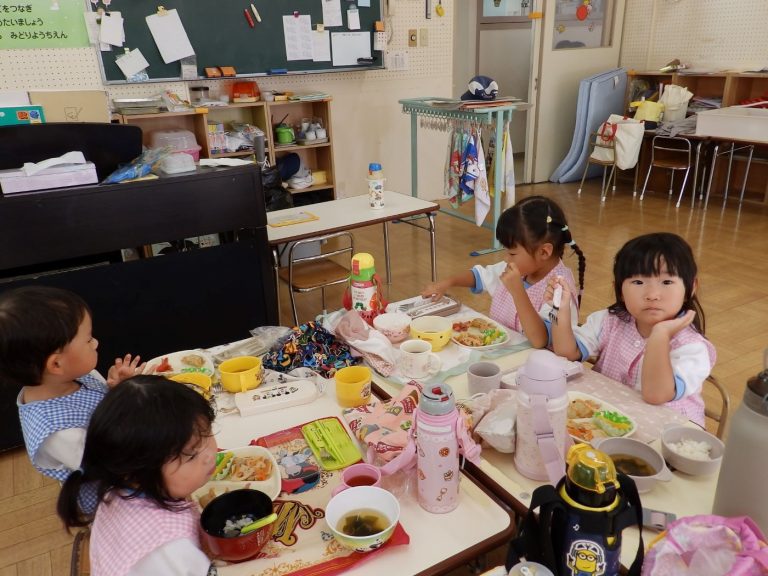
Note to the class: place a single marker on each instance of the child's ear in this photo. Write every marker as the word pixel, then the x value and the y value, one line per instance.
pixel 545 250
pixel 53 365
pixel 695 286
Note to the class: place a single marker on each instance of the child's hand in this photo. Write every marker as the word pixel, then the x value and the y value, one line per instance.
pixel 124 368
pixel 671 327
pixel 435 290
pixel 549 293
pixel 511 277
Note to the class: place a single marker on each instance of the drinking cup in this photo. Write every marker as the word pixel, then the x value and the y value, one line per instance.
pixel 482 377
pixel 353 386
pixel 417 359
pixel 358 475
pixel 241 373
pixel 305 123
pixel 321 133
pixel 310 135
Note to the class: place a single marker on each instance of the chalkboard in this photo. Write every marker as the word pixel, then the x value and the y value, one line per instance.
pixel 221 35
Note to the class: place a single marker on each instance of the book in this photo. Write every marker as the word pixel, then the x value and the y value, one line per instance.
pixel 288 219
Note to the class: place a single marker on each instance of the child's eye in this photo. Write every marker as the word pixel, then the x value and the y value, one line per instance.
pixel 190 457
pixel 668 282
pixel 637 282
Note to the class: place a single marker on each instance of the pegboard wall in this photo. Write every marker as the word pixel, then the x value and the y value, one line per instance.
pixel 78 68
pixel 708 35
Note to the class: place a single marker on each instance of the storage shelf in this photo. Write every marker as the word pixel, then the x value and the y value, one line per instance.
pixel 313 188
pixel 292 147
pixel 237 154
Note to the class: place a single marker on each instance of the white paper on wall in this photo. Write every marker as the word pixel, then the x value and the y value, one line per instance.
pixel 331 13
pixel 170 36
pixel 132 62
pixel 111 29
pixel 347 47
pixel 297 31
pixel 321 46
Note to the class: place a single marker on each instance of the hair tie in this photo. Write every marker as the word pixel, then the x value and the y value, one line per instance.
pixel 572 242
pixel 549 219
pixel 79 470
pixel 564 228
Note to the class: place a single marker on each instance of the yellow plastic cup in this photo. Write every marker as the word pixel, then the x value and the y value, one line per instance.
pixel 353 386
pixel 241 373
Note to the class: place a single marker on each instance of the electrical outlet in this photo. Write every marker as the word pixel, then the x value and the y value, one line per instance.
pixel 412 38
pixel 423 36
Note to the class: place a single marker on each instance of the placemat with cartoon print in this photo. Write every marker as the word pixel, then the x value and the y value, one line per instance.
pixel 302 544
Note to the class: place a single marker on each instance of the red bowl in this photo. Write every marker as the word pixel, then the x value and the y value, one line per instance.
pixel 228 505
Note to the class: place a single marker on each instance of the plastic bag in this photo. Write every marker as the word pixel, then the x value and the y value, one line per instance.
pixel 276 197
pixel 140 166
pixel 261 340
pixel 497 427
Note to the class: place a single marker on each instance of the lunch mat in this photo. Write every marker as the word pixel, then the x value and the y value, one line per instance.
pixel 302 544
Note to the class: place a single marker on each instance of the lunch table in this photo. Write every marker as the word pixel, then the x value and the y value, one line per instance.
pixel 349 214
pixel 684 495
pixel 438 542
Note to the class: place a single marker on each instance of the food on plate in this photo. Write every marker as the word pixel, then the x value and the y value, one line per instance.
pixel 193 360
pixel 585 430
pixel 223 465
pixel 250 468
pixel 582 408
pixel 693 449
pixel 612 423
pixel 206 498
pixel 477 332
pixel 164 366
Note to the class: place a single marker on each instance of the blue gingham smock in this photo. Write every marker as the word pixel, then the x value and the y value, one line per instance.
pixel 41 419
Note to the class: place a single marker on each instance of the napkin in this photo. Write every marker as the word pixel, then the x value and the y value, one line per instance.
pixel 372 344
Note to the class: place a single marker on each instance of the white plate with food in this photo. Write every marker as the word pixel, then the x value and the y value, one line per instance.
pixel 590 418
pixel 478 333
pixel 181 362
pixel 251 467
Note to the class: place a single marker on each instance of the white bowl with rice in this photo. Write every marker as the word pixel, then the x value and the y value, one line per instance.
pixel 692 450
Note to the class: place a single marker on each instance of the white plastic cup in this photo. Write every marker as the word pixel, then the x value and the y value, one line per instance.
pixel 376 193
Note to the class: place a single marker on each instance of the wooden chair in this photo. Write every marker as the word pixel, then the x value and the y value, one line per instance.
pixel 80 564
pixel 719 414
pixel 309 273
pixel 672 153
pixel 597 142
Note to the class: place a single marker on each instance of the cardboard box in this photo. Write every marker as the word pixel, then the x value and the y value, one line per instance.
pixel 10 115
pixel 734 122
pixel 16 180
pixel 73 105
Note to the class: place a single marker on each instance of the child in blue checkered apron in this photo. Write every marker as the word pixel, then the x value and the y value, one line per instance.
pixel 48 351
pixel 149 447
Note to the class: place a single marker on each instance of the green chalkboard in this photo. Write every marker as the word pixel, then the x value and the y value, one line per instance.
pixel 221 35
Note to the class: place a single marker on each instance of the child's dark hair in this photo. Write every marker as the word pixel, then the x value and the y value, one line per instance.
pixel 140 425
pixel 535 220
pixel 644 256
pixel 35 322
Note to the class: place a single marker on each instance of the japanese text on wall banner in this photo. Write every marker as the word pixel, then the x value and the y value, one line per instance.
pixel 42 24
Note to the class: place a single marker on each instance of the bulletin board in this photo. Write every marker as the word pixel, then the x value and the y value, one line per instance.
pixel 221 35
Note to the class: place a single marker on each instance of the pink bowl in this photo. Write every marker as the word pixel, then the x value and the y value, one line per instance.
pixel 394 325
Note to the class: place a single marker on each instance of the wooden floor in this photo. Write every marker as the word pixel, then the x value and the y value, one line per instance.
pixel 730 246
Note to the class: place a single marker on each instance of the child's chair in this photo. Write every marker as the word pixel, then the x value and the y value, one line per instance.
pixel 317 271
pixel 672 153
pixel 602 151
pixel 720 416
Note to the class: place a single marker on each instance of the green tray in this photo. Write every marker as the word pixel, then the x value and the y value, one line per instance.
pixel 330 443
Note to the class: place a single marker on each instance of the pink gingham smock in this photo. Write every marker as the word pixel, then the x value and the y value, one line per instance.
pixel 620 350
pixel 503 309
pixel 128 538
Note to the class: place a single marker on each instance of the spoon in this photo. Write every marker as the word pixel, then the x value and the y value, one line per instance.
pixel 260 523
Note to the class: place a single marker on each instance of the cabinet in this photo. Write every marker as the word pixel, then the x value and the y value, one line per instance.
pixel 316 155
pixel 728 89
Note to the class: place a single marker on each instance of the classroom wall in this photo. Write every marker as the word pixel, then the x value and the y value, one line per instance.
pixel 706 34
pixel 367 121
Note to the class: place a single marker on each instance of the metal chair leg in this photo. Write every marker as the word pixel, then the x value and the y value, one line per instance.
pixel 746 174
pixel 711 173
pixel 293 306
pixel 322 300
pixel 728 174
pixel 615 174
pixel 583 176
pixel 682 188
pixel 671 181
pixel 647 176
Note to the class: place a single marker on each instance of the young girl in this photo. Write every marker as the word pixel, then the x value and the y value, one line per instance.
pixel 149 446
pixel 535 232
pixel 652 337
pixel 48 351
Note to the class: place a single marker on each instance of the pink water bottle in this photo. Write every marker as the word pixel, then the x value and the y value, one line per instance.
pixel 441 435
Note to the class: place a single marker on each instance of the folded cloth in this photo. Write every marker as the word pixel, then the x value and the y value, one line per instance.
pixel 372 345
pixel 384 426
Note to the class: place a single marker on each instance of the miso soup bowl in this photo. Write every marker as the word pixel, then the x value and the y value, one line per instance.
pixel 232 504
pixel 638 449
pixel 362 498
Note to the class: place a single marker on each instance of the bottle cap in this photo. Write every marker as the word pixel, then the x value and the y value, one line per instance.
pixel 373 166
pixel 437 400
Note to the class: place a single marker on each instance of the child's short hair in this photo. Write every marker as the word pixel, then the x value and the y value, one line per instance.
pixel 534 221
pixel 35 322
pixel 140 425
pixel 644 256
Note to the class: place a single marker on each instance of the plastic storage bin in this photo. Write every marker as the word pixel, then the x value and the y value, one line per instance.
pixel 178 140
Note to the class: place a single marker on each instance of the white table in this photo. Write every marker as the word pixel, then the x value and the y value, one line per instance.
pixel 351 213
pixel 438 542
pixel 684 495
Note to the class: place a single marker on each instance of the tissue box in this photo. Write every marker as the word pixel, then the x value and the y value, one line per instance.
pixel 15 180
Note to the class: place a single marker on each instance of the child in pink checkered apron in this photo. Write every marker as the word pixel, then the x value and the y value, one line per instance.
pixel 535 233
pixel 149 446
pixel 652 337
